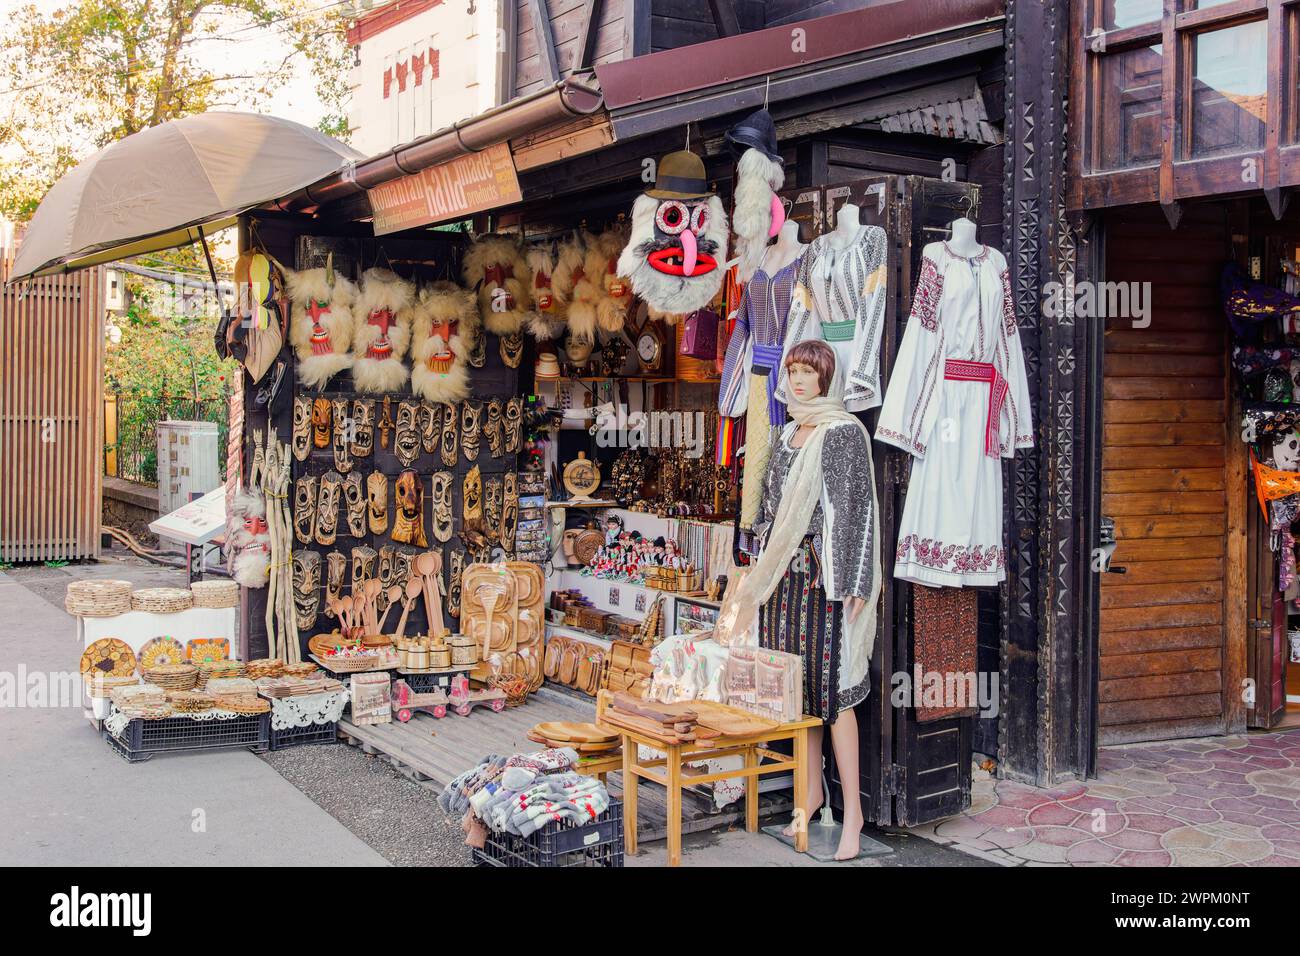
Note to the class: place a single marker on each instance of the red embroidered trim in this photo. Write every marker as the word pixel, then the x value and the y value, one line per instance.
pixel 909 443
pixel 1008 307
pixel 950 557
pixel 929 290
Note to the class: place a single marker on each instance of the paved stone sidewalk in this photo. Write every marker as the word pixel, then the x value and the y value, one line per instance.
pixel 1219 801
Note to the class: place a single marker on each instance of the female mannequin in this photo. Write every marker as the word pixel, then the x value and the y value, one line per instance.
pixel 963 241
pixel 847 223
pixel 817 578
pixel 785 250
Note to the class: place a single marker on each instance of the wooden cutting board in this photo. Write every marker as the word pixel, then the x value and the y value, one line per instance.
pixel 731 721
pixel 573 732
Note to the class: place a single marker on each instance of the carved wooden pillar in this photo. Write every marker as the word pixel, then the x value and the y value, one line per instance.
pixel 1044 705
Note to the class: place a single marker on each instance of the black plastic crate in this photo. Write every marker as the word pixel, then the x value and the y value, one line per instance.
pixel 141 739
pixel 425 683
pixel 599 843
pixel 301 736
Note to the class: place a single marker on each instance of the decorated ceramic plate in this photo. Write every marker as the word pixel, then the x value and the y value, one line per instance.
pixel 108 657
pixel 160 651
pixel 209 649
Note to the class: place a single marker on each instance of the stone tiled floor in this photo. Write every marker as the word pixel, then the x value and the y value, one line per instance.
pixel 1221 801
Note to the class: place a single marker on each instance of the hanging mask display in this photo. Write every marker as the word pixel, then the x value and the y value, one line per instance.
pixel 387 575
pixel 678 245
pixel 364 562
pixel 377 502
pixel 495 269
pixel 381 332
pixel 455 571
pixel 306 587
pixel 403 562
pixel 601 297
pixel 546 321
pixel 514 426
pixel 335 567
pixel 512 349
pixel 1286 451
pixel 470 429
pixel 408 511
pixel 343 431
pixel 327 507
pixel 478 352
pixel 472 500
pixel 301 427
pixel 304 509
pixel 430 426
pixel 493 498
pixel 444 331
pixel 406 444
pixel 385 422
pixel 510 511
pixel 758 213
pixel 320 325
pixel 322 431
pixel 354 498
pixel 440 496
pixel 250 540
pixel 450 450
pixel 363 427
pixel 492 428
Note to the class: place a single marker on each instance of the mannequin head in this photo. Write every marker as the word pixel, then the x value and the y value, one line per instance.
pixel 810 368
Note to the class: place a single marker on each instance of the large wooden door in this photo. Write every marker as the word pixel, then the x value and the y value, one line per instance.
pixel 1173 623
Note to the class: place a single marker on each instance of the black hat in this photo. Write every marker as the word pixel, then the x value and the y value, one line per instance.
pixel 755 131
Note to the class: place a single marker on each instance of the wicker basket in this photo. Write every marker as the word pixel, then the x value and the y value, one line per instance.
pixel 211 669
pixel 102 687
pixel 215 593
pixel 162 600
pixel 98 598
pixel 172 676
pixel 190 701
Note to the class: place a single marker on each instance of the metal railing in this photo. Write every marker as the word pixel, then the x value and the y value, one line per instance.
pixel 131 423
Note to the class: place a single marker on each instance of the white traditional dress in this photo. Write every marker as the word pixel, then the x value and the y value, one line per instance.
pixel 958 401
pixel 839 298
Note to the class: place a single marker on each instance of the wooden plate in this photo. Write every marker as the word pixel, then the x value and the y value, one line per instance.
pixel 160 651
pixel 571 732
pixel 209 649
pixel 108 657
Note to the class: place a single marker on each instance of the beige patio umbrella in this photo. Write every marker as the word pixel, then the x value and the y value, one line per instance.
pixel 169 185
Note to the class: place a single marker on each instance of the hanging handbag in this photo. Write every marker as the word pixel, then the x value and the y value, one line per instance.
pixel 700 335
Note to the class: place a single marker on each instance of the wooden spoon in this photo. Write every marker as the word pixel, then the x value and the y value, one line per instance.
pixel 413 588
pixel 371 591
pixel 427 564
pixel 345 614
pixel 394 596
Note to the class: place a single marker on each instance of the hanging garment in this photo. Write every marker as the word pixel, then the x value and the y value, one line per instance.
pixel 958 401
pixel 750 371
pixel 839 297
pixel 804 615
pixel 944 636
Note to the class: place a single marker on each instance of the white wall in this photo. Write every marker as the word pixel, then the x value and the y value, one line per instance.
pixel 466 47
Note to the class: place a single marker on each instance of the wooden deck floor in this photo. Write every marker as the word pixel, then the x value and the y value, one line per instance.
pixel 433 752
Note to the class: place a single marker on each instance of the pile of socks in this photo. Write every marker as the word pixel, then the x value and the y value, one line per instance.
pixel 522 793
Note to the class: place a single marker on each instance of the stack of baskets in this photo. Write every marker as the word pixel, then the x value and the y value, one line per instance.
pixel 162 600
pixel 190 701
pixel 98 598
pixel 215 593
pixel 305 669
pixel 172 677
pixel 266 667
pixel 146 701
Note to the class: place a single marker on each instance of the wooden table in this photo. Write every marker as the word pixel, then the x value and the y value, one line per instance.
pixel 667 771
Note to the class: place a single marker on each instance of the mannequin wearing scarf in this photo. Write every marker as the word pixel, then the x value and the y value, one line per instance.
pixel 815 587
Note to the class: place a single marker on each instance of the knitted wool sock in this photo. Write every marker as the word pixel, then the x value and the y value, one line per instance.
pixel 546 761
pixel 518 778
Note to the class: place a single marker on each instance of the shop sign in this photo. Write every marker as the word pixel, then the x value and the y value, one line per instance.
pixel 451 190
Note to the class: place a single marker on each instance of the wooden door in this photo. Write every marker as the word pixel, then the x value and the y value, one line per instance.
pixel 1172 643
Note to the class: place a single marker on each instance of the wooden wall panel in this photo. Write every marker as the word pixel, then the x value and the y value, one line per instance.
pixel 1167 481
pixel 51 415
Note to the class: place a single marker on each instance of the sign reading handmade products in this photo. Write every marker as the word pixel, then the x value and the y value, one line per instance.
pixel 466 184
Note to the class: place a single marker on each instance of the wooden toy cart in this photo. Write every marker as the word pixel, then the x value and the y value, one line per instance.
pixel 406 701
pixel 462 699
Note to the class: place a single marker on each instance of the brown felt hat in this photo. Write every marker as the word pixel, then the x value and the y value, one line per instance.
pixel 680 175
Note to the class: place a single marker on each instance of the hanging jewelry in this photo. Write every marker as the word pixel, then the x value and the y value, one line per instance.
pixel 302 408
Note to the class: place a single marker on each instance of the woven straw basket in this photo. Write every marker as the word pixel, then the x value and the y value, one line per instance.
pixel 215 593
pixel 162 600
pixel 98 598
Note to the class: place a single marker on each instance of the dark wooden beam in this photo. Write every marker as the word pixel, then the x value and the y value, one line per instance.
pixel 636 28
pixel 724 17
pixel 587 38
pixel 545 39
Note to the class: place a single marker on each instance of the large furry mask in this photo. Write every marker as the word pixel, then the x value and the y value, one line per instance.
pixel 494 267
pixel 546 321
pixel 446 324
pixel 381 325
pixel 602 295
pixel 320 324
pixel 759 213
pixel 676 254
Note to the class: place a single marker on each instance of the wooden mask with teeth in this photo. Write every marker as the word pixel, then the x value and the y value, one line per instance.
pixel 455 570
pixel 322 411
pixel 377 502
pixel 492 428
pixel 408 514
pixel 440 494
pixel 363 427
pixel 306 587
pixel 514 426
pixel 301 427
pixel 354 497
pixel 343 431
pixel 450 435
pixel 492 500
pixel 327 507
pixel 470 429
pixel 304 509
pixel 430 426
pixel 335 566
pixel 407 442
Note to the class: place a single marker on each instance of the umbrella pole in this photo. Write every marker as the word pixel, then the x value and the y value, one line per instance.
pixel 212 271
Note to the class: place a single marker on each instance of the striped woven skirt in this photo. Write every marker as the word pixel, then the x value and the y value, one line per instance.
pixel 798 619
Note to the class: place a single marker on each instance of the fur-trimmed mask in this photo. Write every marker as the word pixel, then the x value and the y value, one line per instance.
pixel 675 257
pixel 494 267
pixel 759 214
pixel 320 325
pixel 381 331
pixel 546 321
pixel 602 296
pixel 446 325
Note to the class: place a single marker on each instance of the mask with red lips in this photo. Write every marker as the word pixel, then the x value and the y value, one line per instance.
pixel 675 256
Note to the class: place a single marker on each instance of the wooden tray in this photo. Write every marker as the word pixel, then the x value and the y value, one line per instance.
pixel 566 730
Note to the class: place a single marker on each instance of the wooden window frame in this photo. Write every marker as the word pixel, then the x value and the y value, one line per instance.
pixel 1179 177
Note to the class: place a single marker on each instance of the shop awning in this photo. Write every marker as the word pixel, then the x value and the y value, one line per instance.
pixel 164 186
